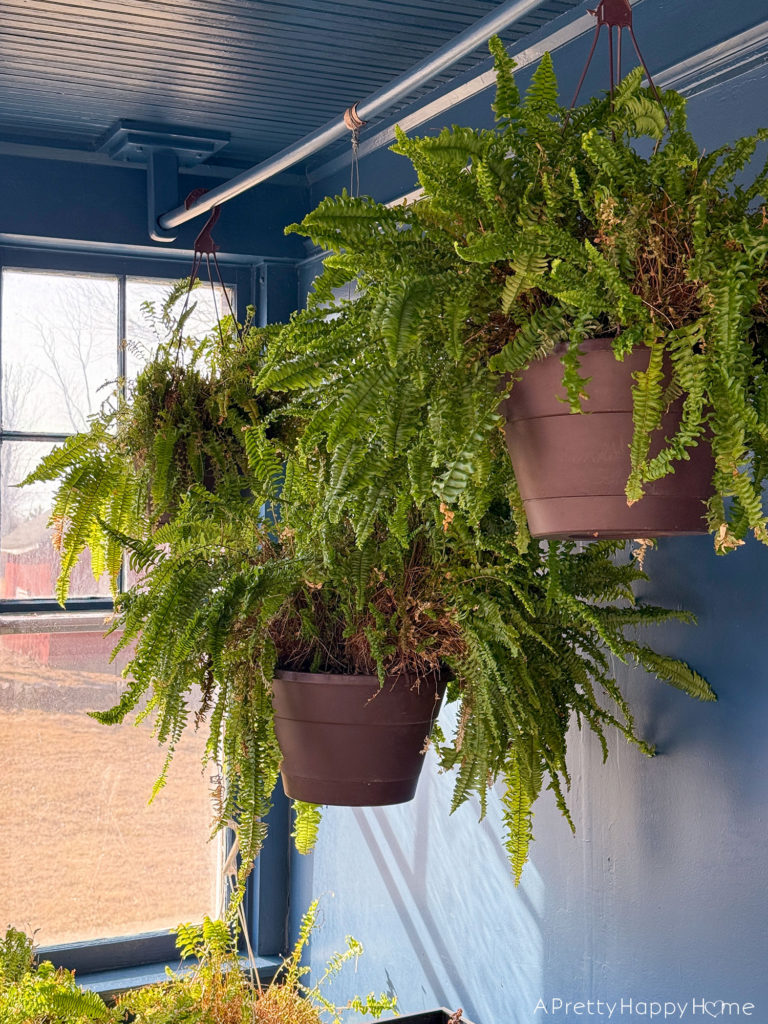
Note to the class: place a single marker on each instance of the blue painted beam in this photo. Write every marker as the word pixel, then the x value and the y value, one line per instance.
pixel 83 203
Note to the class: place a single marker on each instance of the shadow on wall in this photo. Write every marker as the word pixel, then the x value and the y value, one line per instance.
pixel 661 896
pixel 430 895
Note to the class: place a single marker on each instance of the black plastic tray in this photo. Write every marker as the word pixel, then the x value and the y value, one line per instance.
pixel 428 1017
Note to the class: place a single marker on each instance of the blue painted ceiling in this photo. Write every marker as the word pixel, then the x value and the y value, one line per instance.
pixel 267 73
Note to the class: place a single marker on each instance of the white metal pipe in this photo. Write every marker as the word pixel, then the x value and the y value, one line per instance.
pixel 467 41
pixel 532 54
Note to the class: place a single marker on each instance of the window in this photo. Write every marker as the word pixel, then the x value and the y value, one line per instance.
pixel 88 864
pixel 84 856
pixel 62 355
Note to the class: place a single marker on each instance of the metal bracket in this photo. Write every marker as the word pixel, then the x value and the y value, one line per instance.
pixel 162 190
pixel 132 141
pixel 164 148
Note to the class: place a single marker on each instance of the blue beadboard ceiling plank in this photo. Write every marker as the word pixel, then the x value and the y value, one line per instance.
pixel 266 72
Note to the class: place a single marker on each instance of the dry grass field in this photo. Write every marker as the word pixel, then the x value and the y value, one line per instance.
pixel 82 855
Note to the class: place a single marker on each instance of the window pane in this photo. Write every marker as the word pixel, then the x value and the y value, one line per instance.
pixel 143 332
pixel 29 564
pixel 59 347
pixel 83 855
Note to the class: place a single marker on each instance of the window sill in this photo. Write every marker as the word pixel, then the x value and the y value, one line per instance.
pixel 15 620
pixel 111 983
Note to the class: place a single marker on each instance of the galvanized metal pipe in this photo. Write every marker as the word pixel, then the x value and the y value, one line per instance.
pixel 467 41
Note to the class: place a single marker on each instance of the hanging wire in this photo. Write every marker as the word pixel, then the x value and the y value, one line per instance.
pixel 354 123
pixel 230 889
pixel 615 14
pixel 354 170
pixel 204 246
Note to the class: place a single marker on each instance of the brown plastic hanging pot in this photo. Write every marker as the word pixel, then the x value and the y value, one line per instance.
pixel 572 468
pixel 349 741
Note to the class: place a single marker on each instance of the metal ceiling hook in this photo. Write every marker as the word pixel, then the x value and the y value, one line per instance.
pixel 204 243
pixel 616 13
pixel 205 247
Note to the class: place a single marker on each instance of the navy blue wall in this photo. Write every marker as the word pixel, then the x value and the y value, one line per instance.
pixel 107 204
pixel 56 212
pixel 660 897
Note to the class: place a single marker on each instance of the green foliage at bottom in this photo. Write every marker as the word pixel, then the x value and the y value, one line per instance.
pixel 212 986
pixel 215 989
pixel 32 993
pixel 305 826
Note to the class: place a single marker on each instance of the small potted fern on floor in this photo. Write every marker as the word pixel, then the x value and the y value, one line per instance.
pixel 213 986
pixel 587 261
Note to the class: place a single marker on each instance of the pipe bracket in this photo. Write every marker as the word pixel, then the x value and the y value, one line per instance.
pixel 162 191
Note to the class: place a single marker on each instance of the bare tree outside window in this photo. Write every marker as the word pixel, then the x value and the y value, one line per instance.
pixel 60 344
pixel 60 364
pixel 62 329
pixel 17 396
pixel 144 299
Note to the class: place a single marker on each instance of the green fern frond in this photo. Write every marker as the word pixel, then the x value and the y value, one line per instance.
pixel 305 826
pixel 360 566
pixel 528 269
pixel 522 788
pixel 648 408
pixel 541 99
pixel 401 420
pixel 79 532
pixel 489 247
pixel 506 105
pixel 263 460
pixel 78 1004
pixel 341 222
pixel 674 672
pixel 365 393
pixel 468 457
pixel 400 317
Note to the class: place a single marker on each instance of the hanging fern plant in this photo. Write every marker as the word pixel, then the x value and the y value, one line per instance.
pixel 527 631
pixel 319 544
pixel 551 228
pixel 334 495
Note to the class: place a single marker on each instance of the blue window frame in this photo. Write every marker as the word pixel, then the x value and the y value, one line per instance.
pixel 114 963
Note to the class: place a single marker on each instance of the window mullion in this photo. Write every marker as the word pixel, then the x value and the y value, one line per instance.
pixel 28 435
pixel 122 368
pixel 122 329
pixel 2 412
